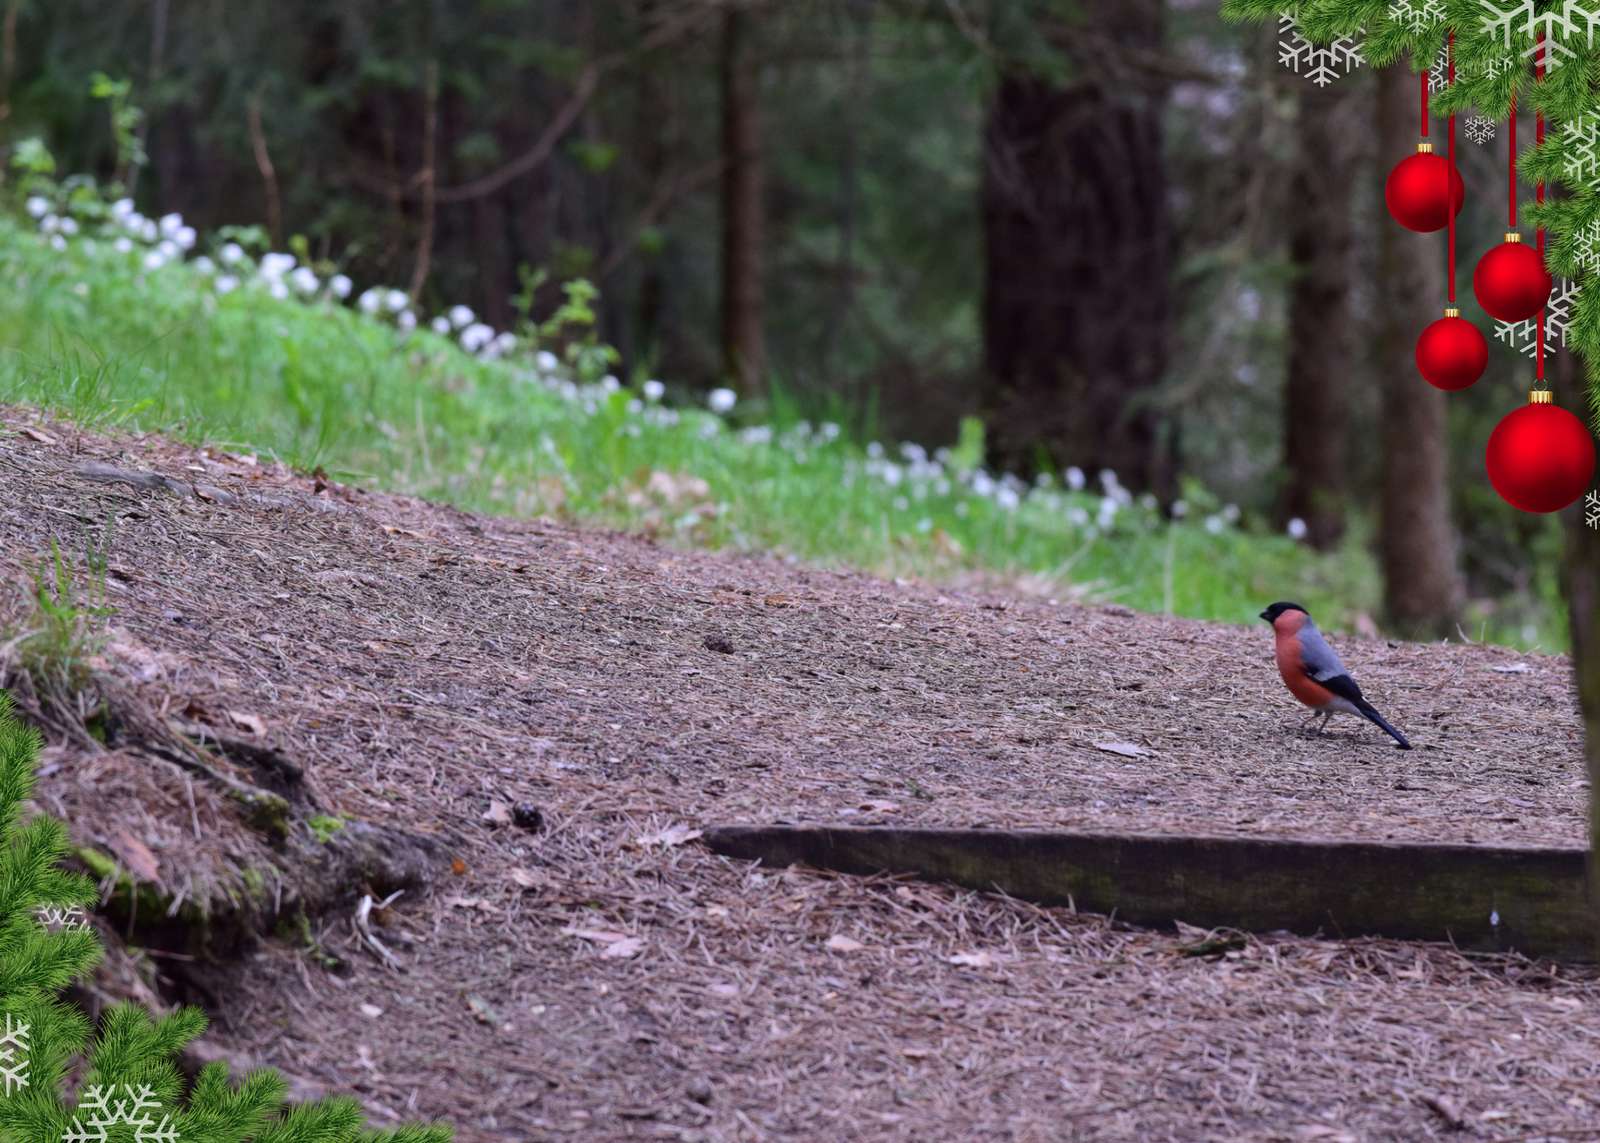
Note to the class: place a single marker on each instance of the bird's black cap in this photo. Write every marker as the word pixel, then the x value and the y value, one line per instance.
pixel 1276 609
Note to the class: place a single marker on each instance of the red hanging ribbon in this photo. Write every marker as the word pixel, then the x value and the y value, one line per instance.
pixel 1538 137
pixel 1424 78
pixel 1450 170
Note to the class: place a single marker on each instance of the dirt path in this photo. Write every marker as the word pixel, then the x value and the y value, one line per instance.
pixel 604 977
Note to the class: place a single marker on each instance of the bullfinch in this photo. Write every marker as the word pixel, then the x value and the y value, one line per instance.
pixel 1313 673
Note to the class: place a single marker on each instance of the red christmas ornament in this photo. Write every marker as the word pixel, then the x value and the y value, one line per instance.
pixel 1415 191
pixel 1451 353
pixel 1511 281
pixel 1540 457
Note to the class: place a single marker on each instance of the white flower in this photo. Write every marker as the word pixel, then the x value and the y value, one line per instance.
pixel 1077 517
pixel 610 383
pixel 154 260
pixel 396 300
pixel 147 230
pixel 913 452
pixel 548 361
pixel 1180 509
pixel 829 431
pixel 1297 528
pixel 1230 513
pixel 441 325
pixel 122 245
pixel 722 400
pixel 340 286
pixel 304 280
pixel 476 336
pixel 171 224
pixel 653 390
pixel 407 321
pixel 1108 480
pixel 49 224
pixel 168 249
pixel 231 254
pixel 1148 501
pixel 1007 498
pixel 274 266
pixel 505 343
pixel 121 208
pixel 874 450
pixel 461 316
pixel 57 242
pixel 185 237
pixel 1107 513
pixel 1075 479
pixel 38 206
pixel 370 300
pixel 983 484
pixel 226 283
pixel 757 435
pixel 277 289
pixel 900 504
pixel 1215 524
pixel 68 226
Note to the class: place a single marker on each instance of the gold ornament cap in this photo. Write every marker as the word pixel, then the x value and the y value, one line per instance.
pixel 1451 311
pixel 1513 236
pixel 1541 397
pixel 1425 148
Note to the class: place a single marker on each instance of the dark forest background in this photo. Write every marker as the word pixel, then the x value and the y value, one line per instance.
pixel 1118 230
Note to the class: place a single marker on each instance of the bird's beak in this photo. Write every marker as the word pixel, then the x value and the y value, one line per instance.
pixel 1264 616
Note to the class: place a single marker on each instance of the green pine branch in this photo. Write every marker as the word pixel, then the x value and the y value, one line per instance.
pixel 132 1051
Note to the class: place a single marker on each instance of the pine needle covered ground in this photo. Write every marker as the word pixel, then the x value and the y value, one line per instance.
pixel 587 970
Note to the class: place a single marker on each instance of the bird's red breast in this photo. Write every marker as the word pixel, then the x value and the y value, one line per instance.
pixel 1291 663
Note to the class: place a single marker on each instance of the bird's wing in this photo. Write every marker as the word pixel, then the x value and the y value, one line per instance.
pixel 1317 658
pixel 1345 687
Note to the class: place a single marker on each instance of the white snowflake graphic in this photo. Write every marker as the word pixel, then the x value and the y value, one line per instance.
pixel 13 1070
pixel 104 1112
pixel 1560 25
pixel 1417 15
pixel 1588 246
pixel 1322 64
pixel 1480 130
pixel 1439 73
pixel 1523 335
pixel 72 917
pixel 1582 136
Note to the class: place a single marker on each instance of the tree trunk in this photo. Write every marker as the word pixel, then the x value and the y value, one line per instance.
pixel 1580 583
pixel 743 344
pixel 1321 341
pixel 1078 260
pixel 1417 542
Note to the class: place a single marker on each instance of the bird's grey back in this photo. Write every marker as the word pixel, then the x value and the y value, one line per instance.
pixel 1318 658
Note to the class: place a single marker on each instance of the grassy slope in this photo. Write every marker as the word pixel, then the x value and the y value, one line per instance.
pixel 90 336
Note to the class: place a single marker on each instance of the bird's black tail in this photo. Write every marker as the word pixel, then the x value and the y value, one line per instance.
pixel 1367 710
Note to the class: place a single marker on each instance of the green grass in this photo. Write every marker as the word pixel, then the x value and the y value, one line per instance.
pixel 93 338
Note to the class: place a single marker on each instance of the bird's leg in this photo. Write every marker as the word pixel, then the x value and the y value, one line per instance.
pixel 1327 715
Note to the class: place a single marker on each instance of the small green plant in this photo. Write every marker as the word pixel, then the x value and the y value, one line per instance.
pixel 67 624
pixel 324 826
pixel 126 119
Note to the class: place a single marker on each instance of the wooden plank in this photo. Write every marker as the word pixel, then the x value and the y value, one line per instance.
pixel 1534 901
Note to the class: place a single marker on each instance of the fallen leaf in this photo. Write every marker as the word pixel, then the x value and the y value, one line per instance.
pixel 1512 669
pixel 482 1009
pixel 916 1053
pixel 672 835
pixel 136 855
pixel 371 1010
pixel 776 601
pixel 395 531
pixel 457 866
pixel 1494 1114
pixel 1126 749
pixel 36 435
pixel 526 879
pixel 978 959
pixel 246 721
pixel 874 806
pixel 844 944
pixel 723 989
pixel 601 936
pixel 498 813
pixel 622 949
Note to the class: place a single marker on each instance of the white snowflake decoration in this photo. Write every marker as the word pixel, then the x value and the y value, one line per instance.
pixel 1439 73
pixel 1480 130
pixel 134 1111
pixel 1559 26
pixel 1323 64
pixel 1523 335
pixel 1417 15
pixel 13 1071
pixel 1582 136
pixel 1588 247
pixel 72 917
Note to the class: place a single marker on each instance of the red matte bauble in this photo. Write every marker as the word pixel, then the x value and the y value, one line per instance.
pixel 1540 458
pixel 1511 282
pixel 1451 353
pixel 1415 192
